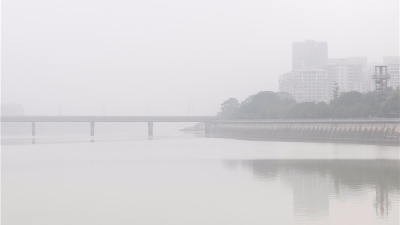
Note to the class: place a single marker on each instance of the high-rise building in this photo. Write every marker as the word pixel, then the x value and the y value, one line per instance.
pixel 392 63
pixel 313 74
pixel 307 84
pixel 309 53
pixel 316 83
pixel 349 73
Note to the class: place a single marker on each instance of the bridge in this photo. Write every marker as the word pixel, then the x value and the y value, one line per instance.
pixel 207 120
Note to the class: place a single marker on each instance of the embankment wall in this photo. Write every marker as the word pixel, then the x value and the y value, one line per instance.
pixel 365 132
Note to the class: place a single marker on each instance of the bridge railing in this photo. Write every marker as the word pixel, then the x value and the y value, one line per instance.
pixel 108 118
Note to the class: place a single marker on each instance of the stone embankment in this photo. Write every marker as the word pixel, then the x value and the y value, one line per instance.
pixel 365 131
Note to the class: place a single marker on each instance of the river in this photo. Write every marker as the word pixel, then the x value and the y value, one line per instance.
pixel 188 179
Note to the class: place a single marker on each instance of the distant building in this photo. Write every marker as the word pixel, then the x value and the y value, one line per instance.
pixel 286 84
pixel 309 53
pixel 307 84
pixel 392 63
pixel 12 109
pixel 314 74
pixel 351 74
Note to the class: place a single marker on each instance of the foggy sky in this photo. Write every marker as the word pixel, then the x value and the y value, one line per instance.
pixel 172 55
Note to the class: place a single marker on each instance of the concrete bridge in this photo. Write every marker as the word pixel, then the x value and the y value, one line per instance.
pixel 207 120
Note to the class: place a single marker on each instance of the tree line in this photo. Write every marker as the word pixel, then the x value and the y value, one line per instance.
pixel 279 105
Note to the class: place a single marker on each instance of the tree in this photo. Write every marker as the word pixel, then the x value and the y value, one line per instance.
pixel 286 98
pixel 229 108
pixel 350 105
pixel 390 107
pixel 273 105
pixel 302 110
pixel 263 105
pixel 322 110
pixel 347 99
pixel 370 99
pixel 335 91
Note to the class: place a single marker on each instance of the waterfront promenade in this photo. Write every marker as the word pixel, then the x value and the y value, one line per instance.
pixel 364 130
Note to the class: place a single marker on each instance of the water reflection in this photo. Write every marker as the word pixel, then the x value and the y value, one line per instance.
pixel 314 181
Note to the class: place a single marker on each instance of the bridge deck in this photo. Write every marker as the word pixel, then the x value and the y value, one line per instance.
pixel 108 118
pixel 214 119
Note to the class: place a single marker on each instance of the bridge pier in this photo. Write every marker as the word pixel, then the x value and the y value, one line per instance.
pixel 207 129
pixel 33 128
pixel 150 129
pixel 92 128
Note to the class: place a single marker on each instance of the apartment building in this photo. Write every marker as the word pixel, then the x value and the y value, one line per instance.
pixel 314 74
pixel 309 53
pixel 392 62
pixel 350 73
pixel 310 84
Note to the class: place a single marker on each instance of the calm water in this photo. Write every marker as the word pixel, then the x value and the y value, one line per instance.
pixel 187 179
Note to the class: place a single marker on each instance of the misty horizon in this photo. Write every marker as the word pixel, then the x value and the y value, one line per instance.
pixel 172 58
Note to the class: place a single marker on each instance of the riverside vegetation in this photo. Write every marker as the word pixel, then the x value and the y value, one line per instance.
pixel 280 105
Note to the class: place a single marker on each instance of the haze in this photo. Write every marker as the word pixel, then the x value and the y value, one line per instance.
pixel 172 57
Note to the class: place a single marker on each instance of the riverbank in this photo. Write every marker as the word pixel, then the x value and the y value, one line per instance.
pixel 366 142
pixel 372 133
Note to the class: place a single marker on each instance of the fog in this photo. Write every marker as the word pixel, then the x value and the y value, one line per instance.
pixel 172 57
